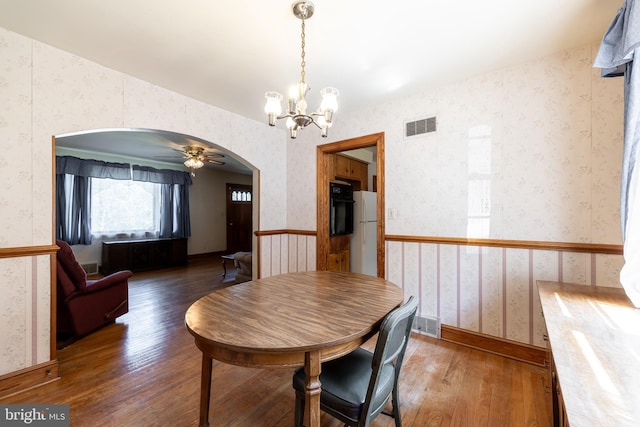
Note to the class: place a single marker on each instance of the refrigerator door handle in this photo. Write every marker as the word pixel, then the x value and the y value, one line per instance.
pixel 364 209
pixel 364 219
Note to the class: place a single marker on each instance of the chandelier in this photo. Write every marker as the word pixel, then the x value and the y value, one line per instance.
pixel 297 117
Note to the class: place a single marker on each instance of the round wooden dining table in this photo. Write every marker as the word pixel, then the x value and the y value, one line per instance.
pixel 288 320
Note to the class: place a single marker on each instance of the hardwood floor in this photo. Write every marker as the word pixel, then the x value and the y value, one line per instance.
pixel 144 370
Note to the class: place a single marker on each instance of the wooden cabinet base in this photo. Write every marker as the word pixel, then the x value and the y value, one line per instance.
pixel 339 261
pixel 141 255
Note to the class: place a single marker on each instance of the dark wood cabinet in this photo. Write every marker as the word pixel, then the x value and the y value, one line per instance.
pixel 339 256
pixel 141 255
pixel 557 403
pixel 339 261
pixel 350 170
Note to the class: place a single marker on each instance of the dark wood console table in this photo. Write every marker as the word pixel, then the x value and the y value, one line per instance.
pixel 144 254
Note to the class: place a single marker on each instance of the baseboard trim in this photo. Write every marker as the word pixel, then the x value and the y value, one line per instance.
pixel 28 378
pixel 511 349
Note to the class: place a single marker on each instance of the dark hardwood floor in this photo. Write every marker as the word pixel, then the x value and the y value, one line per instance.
pixel 144 370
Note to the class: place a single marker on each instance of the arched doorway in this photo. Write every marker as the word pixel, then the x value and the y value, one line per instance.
pixel 157 147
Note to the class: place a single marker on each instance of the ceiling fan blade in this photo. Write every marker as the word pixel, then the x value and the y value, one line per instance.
pixel 214 162
pixel 213 155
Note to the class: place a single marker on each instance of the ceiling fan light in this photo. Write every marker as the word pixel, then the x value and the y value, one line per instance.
pixel 193 163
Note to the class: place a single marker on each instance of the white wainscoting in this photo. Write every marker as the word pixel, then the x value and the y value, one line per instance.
pixel 286 252
pixel 491 290
pixel 25 312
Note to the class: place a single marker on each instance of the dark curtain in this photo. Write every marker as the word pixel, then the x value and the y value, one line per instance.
pixel 616 58
pixel 92 168
pixel 175 219
pixel 73 195
pixel 73 209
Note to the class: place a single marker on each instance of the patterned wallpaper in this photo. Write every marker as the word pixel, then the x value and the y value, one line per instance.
pixel 527 152
pixel 46 92
pixel 533 150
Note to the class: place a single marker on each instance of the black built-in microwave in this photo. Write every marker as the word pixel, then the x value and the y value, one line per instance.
pixel 341 209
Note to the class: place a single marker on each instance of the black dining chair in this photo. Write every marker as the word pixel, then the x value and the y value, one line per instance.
pixel 357 386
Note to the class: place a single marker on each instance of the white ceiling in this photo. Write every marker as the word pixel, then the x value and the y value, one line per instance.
pixel 229 53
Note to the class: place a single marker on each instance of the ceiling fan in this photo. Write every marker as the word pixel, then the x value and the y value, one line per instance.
pixel 195 157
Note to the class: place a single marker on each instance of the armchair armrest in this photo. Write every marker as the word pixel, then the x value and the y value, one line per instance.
pixel 107 281
pixel 94 286
pixel 100 284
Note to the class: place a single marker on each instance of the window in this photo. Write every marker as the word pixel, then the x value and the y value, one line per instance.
pixel 121 200
pixel 124 207
pixel 241 196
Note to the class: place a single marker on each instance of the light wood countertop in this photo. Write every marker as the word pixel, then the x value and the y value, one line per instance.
pixel 594 335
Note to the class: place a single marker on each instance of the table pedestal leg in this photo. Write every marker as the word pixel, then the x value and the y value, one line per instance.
pixel 313 388
pixel 205 390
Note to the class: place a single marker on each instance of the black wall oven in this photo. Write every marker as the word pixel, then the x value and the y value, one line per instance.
pixel 341 209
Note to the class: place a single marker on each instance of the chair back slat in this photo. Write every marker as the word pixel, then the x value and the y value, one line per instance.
pixel 357 386
pixel 390 347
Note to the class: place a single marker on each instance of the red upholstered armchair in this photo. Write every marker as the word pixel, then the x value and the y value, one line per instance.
pixel 86 305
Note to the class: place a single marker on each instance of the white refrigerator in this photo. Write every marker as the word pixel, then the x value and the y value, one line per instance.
pixel 364 257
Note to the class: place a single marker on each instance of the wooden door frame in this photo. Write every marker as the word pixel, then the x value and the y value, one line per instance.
pixel 323 152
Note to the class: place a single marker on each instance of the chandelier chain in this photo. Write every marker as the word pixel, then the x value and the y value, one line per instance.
pixel 302 62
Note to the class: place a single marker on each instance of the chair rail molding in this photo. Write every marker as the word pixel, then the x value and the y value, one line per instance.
pixel 25 251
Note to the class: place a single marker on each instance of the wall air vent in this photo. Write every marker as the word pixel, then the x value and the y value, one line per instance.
pixel 90 267
pixel 427 326
pixel 420 127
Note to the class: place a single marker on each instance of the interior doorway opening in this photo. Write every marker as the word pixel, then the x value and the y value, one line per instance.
pixel 142 146
pixel 326 173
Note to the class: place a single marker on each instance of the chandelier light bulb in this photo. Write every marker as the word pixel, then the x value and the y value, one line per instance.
pixel 323 123
pixel 329 99
pixel 290 122
pixel 294 92
pixel 273 105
